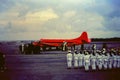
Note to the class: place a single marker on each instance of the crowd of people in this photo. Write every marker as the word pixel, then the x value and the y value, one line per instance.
pixel 29 48
pixel 94 59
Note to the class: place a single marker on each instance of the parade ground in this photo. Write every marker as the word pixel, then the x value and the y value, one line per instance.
pixel 50 65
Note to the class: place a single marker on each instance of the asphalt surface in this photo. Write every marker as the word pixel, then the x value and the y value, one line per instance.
pixel 47 66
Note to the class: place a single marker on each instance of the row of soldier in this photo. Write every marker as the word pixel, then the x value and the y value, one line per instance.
pixel 95 60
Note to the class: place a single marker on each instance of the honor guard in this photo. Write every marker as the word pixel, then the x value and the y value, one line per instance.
pixel 69 59
pixel 105 61
pixel 80 59
pixel 75 59
pixel 86 61
pixel 93 62
pixel 115 60
pixel 118 61
pixel 110 61
pixel 100 61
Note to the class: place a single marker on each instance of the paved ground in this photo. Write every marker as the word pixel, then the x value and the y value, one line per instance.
pixel 47 66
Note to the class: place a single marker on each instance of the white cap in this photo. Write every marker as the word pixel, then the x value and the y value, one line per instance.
pixel 104 49
pixel 69 51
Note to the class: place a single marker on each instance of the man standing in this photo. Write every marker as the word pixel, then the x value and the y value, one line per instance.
pixel 105 61
pixel 2 62
pixel 69 59
pixel 115 60
pixel 94 48
pixel 75 59
pixel 93 62
pixel 100 61
pixel 110 60
pixel 86 61
pixel 80 59
pixel 118 60
pixel 21 48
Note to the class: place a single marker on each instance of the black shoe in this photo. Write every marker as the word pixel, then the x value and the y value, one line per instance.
pixel 69 68
pixel 76 68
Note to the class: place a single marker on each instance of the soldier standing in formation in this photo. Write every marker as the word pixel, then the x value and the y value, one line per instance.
pixel 69 59
pixel 86 61
pixel 104 58
pixel 118 61
pixel 75 55
pixel 110 60
pixel 93 61
pixel 80 59
pixel 96 59
pixel 115 60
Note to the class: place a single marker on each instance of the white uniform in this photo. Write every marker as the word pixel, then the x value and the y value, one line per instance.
pixel 69 60
pixel 115 61
pixel 97 61
pixel 75 60
pixel 118 61
pixel 22 48
pixel 93 62
pixel 105 62
pixel 110 62
pixel 100 62
pixel 86 62
pixel 80 59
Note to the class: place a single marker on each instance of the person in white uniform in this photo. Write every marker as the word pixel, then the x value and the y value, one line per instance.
pixel 86 61
pixel 100 61
pixel 22 47
pixel 114 60
pixel 105 61
pixel 93 61
pixel 80 59
pixel 118 60
pixel 69 59
pixel 76 59
pixel 105 58
pixel 110 61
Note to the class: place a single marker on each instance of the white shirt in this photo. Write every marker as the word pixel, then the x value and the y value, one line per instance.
pixel 80 56
pixel 87 58
pixel 75 56
pixel 69 56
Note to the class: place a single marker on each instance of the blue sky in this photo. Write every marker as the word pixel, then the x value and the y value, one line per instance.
pixel 35 19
